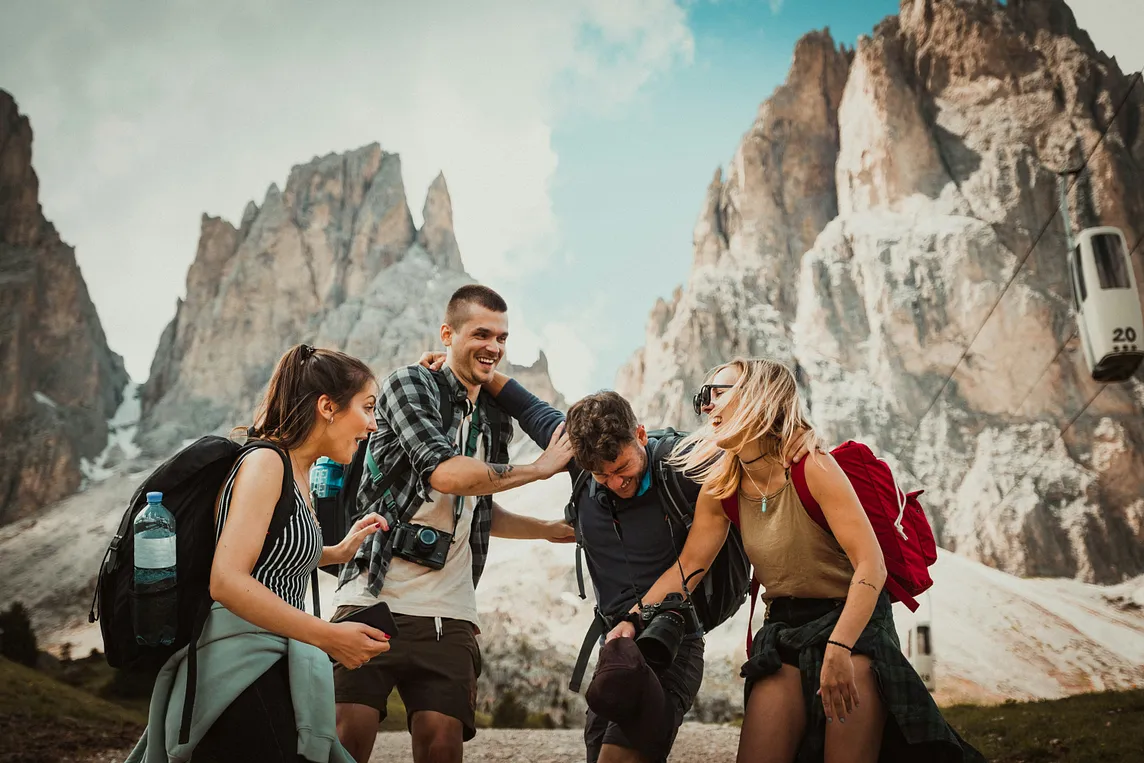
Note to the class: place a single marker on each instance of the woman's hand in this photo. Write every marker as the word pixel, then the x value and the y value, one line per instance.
pixel 838 690
pixel 353 644
pixel 432 360
pixel 362 529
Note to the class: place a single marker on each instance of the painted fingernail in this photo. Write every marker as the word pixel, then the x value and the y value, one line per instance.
pixel 828 719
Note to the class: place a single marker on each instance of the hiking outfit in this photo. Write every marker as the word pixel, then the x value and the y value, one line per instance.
pixel 806 576
pixel 264 697
pixel 622 569
pixel 436 661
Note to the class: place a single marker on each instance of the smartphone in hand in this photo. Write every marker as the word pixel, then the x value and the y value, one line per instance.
pixel 377 616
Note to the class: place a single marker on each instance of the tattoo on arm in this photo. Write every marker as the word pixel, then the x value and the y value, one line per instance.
pixel 498 472
pixel 865 583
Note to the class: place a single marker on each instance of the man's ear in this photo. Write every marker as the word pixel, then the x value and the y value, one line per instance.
pixel 446 334
pixel 641 435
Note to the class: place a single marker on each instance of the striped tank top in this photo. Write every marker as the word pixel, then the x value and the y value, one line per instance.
pixel 295 553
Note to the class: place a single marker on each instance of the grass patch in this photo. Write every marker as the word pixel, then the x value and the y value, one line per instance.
pixel 42 719
pixel 1105 727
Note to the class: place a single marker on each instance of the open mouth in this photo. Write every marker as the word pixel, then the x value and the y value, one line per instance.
pixel 486 363
pixel 716 420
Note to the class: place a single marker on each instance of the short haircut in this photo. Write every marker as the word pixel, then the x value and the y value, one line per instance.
pixel 599 427
pixel 460 304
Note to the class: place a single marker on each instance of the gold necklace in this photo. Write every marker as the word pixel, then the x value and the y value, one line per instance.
pixel 762 492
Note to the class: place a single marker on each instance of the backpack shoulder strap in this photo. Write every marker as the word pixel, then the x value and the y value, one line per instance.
pixel 285 507
pixel 682 506
pixel 572 517
pixel 798 477
pixel 445 393
pixel 731 508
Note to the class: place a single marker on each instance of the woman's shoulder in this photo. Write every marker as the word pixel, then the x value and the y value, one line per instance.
pixel 821 469
pixel 259 468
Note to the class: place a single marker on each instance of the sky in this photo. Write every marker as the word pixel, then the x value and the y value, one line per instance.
pixel 577 137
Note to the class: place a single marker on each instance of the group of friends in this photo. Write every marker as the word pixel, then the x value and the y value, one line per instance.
pixel 825 678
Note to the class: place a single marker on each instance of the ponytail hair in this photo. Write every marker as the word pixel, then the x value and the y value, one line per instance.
pixel 289 409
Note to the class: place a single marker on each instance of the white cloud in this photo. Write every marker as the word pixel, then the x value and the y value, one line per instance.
pixel 145 116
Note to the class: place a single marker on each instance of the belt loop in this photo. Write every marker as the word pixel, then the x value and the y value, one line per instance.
pixel 437 624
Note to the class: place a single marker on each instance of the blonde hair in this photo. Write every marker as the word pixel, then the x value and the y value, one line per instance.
pixel 767 408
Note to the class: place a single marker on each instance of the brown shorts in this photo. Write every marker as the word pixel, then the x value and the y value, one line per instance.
pixel 429 673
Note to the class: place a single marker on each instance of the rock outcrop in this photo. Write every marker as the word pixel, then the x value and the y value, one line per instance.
pixel 59 381
pixel 950 124
pixel 335 260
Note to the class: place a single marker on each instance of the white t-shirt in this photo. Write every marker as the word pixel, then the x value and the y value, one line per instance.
pixel 412 589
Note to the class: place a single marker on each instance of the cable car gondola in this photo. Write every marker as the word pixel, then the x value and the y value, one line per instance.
pixel 1105 296
pixel 1107 304
pixel 919 652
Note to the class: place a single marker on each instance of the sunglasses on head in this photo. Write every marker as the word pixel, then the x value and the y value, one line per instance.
pixel 703 396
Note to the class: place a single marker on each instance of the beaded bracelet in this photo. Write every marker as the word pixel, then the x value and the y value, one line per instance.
pixel 839 643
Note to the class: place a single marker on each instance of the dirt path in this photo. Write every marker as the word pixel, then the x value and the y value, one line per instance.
pixel 697 743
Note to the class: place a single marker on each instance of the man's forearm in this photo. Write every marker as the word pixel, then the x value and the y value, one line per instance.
pixel 506 524
pixel 461 475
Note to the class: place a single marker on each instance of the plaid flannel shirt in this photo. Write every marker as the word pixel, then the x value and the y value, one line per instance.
pixel 410 429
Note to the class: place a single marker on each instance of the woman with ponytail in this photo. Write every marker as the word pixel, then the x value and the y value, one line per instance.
pixel 318 403
pixel 825 678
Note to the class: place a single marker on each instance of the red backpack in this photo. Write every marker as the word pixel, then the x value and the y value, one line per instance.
pixel 903 532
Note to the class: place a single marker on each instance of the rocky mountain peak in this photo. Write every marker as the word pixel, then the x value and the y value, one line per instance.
pixel 59 381
pixel 21 221
pixel 334 260
pixel 436 235
pixel 872 214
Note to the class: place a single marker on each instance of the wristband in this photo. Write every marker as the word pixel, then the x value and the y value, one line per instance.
pixel 839 643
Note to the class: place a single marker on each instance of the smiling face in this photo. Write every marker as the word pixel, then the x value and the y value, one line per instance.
pixel 346 428
pixel 721 396
pixel 477 345
pixel 623 474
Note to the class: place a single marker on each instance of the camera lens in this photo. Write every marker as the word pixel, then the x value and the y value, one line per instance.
pixel 426 538
pixel 660 640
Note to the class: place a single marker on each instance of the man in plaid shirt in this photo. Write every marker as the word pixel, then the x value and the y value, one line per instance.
pixel 443 476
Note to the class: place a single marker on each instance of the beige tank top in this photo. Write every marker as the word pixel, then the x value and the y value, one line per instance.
pixel 792 554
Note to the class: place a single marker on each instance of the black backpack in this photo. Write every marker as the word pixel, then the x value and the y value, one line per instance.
pixel 726 584
pixel 337 513
pixel 190 482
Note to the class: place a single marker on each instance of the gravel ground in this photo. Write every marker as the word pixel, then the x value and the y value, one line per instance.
pixel 696 743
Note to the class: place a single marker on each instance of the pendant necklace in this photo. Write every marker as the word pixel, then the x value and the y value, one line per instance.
pixel 762 493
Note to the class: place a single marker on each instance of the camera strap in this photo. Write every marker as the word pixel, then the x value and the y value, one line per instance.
pixel 609 500
pixel 470 450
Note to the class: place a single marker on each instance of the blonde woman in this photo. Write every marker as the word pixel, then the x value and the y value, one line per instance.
pixel 826 678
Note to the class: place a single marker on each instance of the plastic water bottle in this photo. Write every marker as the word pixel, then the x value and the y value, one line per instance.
pixel 156 607
pixel 326 478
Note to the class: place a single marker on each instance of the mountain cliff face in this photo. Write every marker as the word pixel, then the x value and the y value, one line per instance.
pixel 59 381
pixel 911 192
pixel 335 260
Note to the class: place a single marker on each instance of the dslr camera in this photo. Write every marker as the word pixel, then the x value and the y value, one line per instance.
pixel 421 544
pixel 665 625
